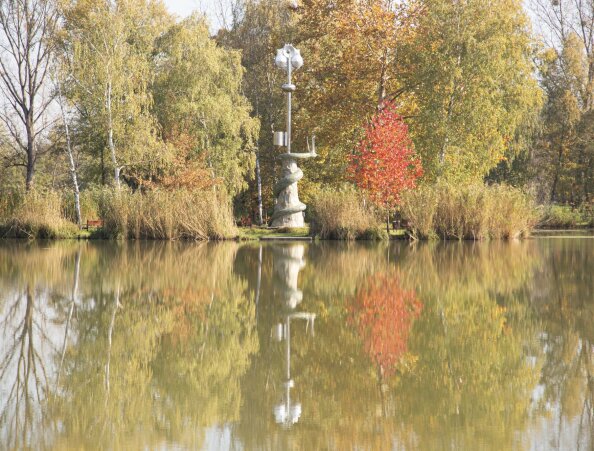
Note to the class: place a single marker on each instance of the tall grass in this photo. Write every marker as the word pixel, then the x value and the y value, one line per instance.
pixel 342 214
pixel 472 212
pixel 35 214
pixel 419 207
pixel 156 214
pixel 165 215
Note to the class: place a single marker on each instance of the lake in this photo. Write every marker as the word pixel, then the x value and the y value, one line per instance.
pixel 297 346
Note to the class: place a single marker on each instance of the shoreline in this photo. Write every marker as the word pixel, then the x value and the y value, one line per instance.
pixel 245 234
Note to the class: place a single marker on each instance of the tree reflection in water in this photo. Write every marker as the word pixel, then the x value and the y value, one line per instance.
pixel 148 345
pixel 30 312
pixel 123 357
pixel 562 292
pixel 383 313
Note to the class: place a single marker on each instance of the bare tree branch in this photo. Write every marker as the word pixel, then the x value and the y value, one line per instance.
pixel 26 31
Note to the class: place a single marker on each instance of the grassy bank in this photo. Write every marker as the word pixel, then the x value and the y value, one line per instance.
pixel 441 211
pixel 257 233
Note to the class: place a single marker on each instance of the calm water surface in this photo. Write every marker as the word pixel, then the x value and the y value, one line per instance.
pixel 297 346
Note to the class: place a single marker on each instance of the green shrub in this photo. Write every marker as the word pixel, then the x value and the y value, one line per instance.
pixel 342 214
pixel 166 215
pixel 472 212
pixel 561 217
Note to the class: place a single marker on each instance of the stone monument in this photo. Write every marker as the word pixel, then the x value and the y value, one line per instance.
pixel 288 211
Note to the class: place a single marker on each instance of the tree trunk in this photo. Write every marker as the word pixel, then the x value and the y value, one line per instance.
pixel 557 173
pixel 73 174
pixel 259 182
pixel 102 166
pixel 381 90
pixel 110 143
pixel 30 170
pixel 30 153
pixel 25 31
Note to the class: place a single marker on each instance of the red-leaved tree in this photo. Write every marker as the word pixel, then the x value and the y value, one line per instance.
pixel 384 163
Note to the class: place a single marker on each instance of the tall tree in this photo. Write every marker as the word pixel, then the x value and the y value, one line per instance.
pixel 564 156
pixel 561 116
pixel 384 163
pixel 198 96
pixel 570 21
pixel 70 153
pixel 258 28
pixel 469 68
pixel 350 51
pixel 26 28
pixel 108 49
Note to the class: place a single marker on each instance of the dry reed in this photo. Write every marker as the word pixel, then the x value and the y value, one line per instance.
pixel 343 214
pixel 472 212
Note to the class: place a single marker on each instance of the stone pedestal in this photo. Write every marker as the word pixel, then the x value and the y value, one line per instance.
pixel 288 211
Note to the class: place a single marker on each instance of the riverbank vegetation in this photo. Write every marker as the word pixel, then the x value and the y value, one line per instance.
pixel 162 129
pixel 473 212
pixel 566 217
pixel 342 214
pixel 34 215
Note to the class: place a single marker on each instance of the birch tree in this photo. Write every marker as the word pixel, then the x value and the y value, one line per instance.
pixel 258 28
pixel 70 153
pixel 109 46
pixel 198 97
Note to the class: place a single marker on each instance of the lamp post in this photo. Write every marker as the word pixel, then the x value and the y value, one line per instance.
pixel 288 211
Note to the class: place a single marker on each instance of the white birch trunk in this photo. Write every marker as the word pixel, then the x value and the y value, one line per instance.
pixel 110 143
pixel 73 174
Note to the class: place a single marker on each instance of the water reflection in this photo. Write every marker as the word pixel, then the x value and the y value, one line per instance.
pixel 288 262
pixel 562 293
pixel 160 345
pixel 383 313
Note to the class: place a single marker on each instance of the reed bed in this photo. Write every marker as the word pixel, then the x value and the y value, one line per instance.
pixel 342 214
pixel 35 214
pixel 156 214
pixel 471 212
pixel 166 215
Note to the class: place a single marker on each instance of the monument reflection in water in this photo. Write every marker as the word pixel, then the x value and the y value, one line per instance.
pixel 97 354
pixel 288 262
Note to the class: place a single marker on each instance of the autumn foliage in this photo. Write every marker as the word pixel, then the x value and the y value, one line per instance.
pixel 383 313
pixel 384 163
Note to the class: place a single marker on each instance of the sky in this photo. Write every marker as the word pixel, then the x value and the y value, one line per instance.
pixel 183 8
